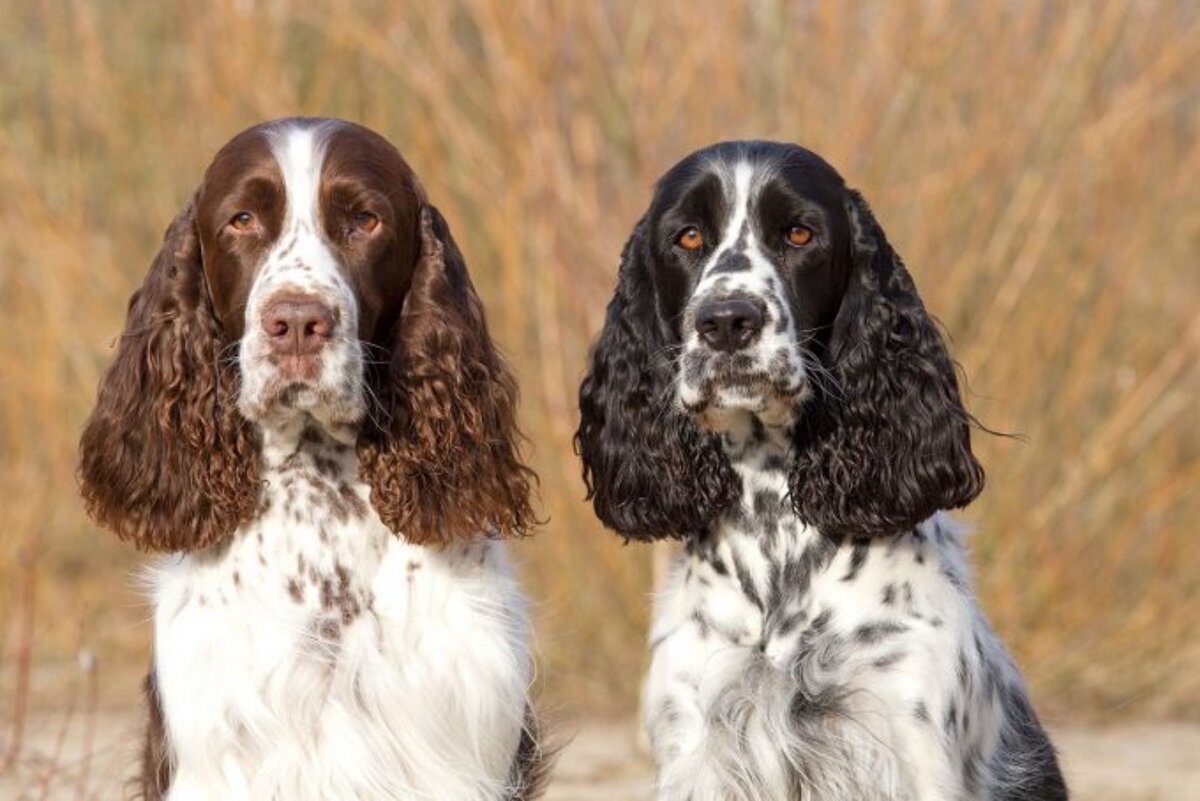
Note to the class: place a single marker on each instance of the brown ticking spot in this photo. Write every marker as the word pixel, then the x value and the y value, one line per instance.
pixel 328 629
pixel 414 566
pixel 237 579
pixel 356 504
pixel 294 590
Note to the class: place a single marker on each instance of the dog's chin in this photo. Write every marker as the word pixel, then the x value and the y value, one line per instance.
pixel 723 407
pixel 284 400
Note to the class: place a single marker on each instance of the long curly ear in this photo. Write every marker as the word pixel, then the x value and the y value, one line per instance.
pixel 650 471
pixel 165 459
pixel 440 453
pixel 890 444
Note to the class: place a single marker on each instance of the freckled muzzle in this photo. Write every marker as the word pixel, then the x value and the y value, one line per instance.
pixel 740 351
pixel 302 355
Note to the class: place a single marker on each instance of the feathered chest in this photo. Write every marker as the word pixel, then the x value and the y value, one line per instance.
pixel 314 656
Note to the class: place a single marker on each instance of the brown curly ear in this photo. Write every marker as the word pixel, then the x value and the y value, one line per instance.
pixel 165 459
pixel 440 454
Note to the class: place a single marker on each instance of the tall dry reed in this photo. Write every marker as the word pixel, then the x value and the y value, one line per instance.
pixel 1037 164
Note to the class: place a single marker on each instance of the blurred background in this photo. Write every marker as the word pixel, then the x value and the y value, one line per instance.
pixel 1037 165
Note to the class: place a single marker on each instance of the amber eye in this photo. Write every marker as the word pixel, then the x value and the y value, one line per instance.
pixel 798 236
pixel 691 239
pixel 242 221
pixel 364 221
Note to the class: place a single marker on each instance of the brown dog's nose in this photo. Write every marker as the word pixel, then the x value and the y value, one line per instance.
pixel 298 326
pixel 729 325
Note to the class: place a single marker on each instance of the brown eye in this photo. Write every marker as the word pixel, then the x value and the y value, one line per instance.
pixel 798 236
pixel 364 221
pixel 242 221
pixel 691 239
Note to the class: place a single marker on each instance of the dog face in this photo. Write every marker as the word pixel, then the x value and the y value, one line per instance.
pixel 759 287
pixel 752 260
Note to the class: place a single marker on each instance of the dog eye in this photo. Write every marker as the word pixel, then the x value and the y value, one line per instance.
pixel 365 221
pixel 691 239
pixel 798 236
pixel 242 221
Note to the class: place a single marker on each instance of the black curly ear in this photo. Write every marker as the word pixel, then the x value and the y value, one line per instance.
pixel 890 444
pixel 651 472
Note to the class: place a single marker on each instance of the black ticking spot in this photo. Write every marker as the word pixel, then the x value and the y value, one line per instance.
pixel 954 579
pixel 746 582
pixel 821 704
pixel 889 594
pixel 951 721
pixel 887 660
pixel 788 623
pixel 821 621
pixel 971 768
pixel 858 558
pixel 871 633
pixel 702 624
pixel 921 712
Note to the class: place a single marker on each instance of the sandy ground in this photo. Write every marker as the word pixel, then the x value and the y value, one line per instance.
pixel 1151 762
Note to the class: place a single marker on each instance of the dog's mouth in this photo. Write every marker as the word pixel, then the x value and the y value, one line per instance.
pixel 325 392
pixel 713 384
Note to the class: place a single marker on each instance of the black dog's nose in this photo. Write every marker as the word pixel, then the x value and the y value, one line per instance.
pixel 729 325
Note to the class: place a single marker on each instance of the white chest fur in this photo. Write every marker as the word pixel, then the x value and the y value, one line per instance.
pixel 787 665
pixel 319 656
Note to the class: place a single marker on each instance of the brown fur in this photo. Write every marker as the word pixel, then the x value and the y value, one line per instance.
pixel 442 460
pixel 156 771
pixel 165 459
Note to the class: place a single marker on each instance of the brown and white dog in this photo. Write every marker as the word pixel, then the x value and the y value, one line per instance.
pixel 307 412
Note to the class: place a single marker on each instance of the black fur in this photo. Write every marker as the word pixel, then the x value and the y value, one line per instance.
pixel 649 469
pixel 884 440
pixel 894 445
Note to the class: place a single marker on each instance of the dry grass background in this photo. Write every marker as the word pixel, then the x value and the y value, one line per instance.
pixel 1038 165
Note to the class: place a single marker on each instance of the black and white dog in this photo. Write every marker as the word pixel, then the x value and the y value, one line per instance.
pixel 769 388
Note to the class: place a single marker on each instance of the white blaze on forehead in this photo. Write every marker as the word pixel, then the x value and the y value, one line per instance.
pixel 303 262
pixel 743 177
pixel 300 152
pixel 740 266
